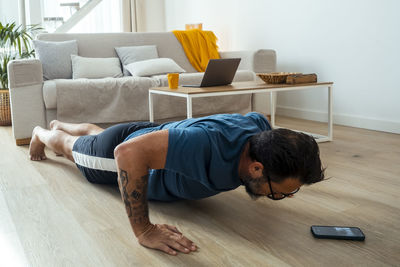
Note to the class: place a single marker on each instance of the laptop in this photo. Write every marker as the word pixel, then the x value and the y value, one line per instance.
pixel 218 72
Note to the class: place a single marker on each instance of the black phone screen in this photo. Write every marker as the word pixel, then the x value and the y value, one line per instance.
pixel 337 232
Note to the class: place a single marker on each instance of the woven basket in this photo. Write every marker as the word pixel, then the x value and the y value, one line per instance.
pixel 5 111
pixel 275 77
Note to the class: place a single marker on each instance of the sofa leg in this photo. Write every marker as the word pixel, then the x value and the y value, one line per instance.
pixel 24 141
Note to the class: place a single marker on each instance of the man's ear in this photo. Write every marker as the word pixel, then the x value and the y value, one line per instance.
pixel 256 169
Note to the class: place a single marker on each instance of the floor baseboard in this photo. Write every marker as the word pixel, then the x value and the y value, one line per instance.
pixel 341 119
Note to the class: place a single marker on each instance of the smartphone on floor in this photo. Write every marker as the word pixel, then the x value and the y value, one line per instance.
pixel 337 232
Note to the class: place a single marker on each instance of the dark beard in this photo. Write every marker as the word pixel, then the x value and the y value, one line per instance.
pixel 253 185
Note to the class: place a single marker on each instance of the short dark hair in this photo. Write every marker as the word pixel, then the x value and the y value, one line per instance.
pixel 285 153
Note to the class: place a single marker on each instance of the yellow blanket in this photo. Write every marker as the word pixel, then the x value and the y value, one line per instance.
pixel 199 47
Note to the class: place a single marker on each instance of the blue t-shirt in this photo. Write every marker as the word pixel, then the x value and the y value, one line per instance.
pixel 203 155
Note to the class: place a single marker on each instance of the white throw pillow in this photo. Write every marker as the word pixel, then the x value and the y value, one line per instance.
pixel 130 54
pixel 95 68
pixel 154 66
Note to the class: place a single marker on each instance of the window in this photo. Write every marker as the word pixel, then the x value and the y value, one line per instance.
pixel 81 15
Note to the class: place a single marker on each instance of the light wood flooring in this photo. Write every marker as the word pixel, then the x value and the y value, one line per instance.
pixel 51 216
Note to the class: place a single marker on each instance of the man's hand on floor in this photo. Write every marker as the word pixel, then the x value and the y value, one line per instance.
pixel 134 158
pixel 166 238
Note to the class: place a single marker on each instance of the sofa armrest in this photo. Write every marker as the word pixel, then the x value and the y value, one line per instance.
pixel 25 81
pixel 259 61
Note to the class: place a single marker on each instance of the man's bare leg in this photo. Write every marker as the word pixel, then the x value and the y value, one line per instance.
pixel 58 141
pixel 76 129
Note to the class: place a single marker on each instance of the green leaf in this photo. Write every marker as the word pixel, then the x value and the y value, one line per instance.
pixel 15 43
pixel 26 44
pixel 19 46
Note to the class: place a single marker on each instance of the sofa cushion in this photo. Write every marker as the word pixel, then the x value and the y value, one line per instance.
pixel 122 99
pixel 130 54
pixel 50 88
pixel 50 94
pixel 153 67
pixel 95 68
pixel 56 58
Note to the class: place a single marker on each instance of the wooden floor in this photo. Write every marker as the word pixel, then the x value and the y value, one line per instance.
pixel 51 216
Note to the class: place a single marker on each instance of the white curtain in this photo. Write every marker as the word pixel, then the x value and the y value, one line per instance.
pixel 128 15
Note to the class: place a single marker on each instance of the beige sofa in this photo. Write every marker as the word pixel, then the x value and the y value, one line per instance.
pixel 37 102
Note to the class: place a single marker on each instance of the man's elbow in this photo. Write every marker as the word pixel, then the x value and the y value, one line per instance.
pixel 129 157
pixel 128 152
pixel 122 151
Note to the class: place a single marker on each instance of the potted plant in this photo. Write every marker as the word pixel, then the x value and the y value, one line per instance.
pixel 14 44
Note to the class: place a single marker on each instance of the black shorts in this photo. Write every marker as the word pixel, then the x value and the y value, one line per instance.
pixel 94 154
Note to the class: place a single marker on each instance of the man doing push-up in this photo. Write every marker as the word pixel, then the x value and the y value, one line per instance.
pixel 189 159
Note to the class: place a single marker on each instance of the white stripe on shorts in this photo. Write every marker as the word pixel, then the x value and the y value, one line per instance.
pixel 93 162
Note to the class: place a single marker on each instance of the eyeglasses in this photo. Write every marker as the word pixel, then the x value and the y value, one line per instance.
pixel 279 196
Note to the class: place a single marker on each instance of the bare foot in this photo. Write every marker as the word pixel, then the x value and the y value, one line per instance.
pixel 55 125
pixel 36 147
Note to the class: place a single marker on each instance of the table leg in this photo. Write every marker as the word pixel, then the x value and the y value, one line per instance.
pixel 151 110
pixel 330 114
pixel 189 106
pixel 272 104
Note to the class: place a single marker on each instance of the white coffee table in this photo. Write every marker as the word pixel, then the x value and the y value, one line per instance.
pixel 245 88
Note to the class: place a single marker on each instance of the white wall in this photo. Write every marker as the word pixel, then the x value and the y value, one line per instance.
pixel 150 15
pixel 354 43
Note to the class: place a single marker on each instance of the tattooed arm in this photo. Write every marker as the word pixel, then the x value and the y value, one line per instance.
pixel 134 158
